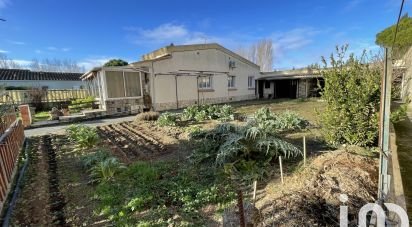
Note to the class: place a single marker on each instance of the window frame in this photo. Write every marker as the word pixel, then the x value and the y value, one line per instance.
pixel 252 81
pixel 106 95
pixel 201 83
pixel 231 82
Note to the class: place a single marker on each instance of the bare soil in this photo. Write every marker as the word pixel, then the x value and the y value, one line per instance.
pixel 311 195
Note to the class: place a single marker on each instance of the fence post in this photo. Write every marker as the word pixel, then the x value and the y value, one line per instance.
pixel 281 168
pixel 304 151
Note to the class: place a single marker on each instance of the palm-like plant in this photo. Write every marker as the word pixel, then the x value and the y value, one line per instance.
pixel 106 169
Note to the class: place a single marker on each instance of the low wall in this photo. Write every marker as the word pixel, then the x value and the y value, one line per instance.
pixel 396 193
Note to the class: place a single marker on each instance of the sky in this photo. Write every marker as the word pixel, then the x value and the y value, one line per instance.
pixel 92 32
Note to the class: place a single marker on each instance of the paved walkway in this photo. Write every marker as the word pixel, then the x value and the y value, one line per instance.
pixel 60 128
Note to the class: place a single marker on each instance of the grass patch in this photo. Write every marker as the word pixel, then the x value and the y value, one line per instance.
pixel 41 116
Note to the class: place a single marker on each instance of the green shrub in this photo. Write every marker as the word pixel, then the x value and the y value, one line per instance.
pixel 167 119
pixel 352 96
pixel 91 160
pixel 148 116
pixel 205 112
pixel 399 114
pixel 85 137
pixel 105 169
pixel 254 145
pixel 281 122
pixel 82 104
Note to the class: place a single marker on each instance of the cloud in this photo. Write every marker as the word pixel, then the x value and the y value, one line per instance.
pixel 16 42
pixel 351 5
pixel 3 51
pixel 4 3
pixel 89 63
pixel 168 33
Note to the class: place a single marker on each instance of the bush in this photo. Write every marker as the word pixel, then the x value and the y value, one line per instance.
pixel 105 169
pixel 399 114
pixel 204 112
pixel 282 122
pixel 91 160
pixel 244 149
pixel 82 104
pixel 351 93
pixel 167 119
pixel 85 137
pixel 148 116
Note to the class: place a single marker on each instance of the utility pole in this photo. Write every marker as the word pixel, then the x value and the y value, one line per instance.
pixel 384 121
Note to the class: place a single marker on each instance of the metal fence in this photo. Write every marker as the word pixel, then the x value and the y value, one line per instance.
pixel 46 96
pixel 11 142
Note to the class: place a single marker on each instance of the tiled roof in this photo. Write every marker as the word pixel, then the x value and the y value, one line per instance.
pixel 24 74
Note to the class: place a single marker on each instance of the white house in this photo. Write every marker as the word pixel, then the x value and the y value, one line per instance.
pixel 174 77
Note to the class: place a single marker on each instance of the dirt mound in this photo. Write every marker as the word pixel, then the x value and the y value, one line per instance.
pixel 311 197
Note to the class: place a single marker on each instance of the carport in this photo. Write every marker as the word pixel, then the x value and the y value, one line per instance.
pixel 289 84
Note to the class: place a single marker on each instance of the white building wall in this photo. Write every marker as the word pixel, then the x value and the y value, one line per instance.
pixel 164 95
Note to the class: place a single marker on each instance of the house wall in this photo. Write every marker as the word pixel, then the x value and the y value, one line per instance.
pixel 164 86
pixel 407 78
pixel 51 84
pixel 268 92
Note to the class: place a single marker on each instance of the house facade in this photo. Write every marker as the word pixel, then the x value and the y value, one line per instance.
pixel 175 77
pixel 23 78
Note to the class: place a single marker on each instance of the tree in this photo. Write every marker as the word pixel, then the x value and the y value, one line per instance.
pixel 56 65
pixel 403 37
pixel 7 63
pixel 261 53
pixel 116 62
pixel 352 97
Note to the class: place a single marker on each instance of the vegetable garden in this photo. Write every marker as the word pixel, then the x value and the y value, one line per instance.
pixel 194 168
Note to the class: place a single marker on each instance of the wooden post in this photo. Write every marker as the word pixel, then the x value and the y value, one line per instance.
pixel 281 168
pixel 254 191
pixel 304 151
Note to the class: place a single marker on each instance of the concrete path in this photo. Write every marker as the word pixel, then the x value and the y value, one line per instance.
pixel 60 128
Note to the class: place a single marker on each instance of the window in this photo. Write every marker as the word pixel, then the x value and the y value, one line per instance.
pixel 251 82
pixel 231 82
pixel 132 84
pixel 267 84
pixel 205 82
pixel 115 84
pixel 123 84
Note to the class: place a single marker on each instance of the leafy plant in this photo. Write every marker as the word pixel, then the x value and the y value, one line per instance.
pixel 91 160
pixel 105 169
pixel 233 145
pixel 285 121
pixel 204 112
pixel 82 104
pixel 351 94
pixel 167 119
pixel 399 114
pixel 85 137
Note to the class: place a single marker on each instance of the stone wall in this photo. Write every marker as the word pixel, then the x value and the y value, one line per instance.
pixel 124 106
pixel 185 103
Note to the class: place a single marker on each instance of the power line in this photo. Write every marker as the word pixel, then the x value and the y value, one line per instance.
pixel 397 23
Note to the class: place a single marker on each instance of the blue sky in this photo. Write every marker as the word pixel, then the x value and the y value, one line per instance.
pixel 92 31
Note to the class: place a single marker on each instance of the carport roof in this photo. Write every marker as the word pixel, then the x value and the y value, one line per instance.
pixel 290 74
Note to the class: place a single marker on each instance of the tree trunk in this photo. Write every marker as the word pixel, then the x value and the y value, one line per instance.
pixel 241 209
